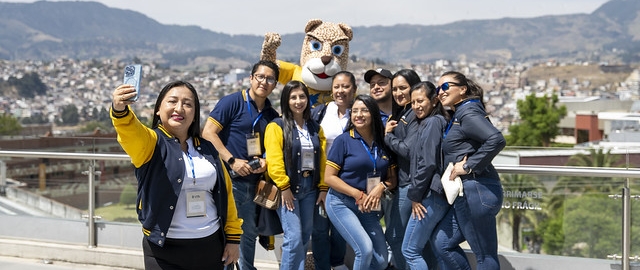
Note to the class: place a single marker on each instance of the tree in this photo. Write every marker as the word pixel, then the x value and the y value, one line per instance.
pixel 9 125
pixel 128 195
pixel 514 215
pixel 70 115
pixel 590 230
pixel 539 118
pixel 581 185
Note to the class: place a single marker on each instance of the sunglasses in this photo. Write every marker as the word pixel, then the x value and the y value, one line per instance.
pixel 445 86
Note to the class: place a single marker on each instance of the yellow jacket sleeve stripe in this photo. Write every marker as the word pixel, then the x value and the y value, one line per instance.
pixel 233 226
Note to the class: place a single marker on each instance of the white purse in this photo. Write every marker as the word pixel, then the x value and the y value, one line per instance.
pixel 452 188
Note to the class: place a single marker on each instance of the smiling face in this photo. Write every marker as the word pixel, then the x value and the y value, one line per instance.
pixel 420 103
pixel 380 88
pixel 177 111
pixel 263 81
pixel 401 90
pixel 454 94
pixel 343 90
pixel 360 115
pixel 298 101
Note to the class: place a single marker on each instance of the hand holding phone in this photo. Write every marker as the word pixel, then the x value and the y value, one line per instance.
pixel 133 76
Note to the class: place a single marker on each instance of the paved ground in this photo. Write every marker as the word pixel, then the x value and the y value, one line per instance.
pixel 14 263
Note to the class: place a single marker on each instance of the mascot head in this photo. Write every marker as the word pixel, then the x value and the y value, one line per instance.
pixel 325 52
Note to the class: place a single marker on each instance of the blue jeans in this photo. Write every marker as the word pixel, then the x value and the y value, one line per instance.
pixel 243 193
pixel 419 231
pixel 297 225
pixel 362 231
pixel 472 218
pixel 328 246
pixel 396 220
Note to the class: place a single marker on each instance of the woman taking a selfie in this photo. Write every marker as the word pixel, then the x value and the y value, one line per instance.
pixel 185 201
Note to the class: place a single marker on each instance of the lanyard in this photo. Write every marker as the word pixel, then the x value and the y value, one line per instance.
pixel 308 136
pixel 193 170
pixel 444 135
pixel 251 114
pixel 375 154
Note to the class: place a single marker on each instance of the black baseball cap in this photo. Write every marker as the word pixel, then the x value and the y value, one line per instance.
pixel 380 71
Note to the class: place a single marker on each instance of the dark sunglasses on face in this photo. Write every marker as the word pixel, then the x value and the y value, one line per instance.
pixel 445 86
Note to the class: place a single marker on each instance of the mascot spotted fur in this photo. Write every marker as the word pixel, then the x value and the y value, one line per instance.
pixel 325 52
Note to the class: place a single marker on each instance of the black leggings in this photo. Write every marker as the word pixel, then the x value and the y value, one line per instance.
pixel 183 254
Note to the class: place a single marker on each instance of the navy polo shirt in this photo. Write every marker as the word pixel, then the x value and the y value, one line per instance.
pixel 236 116
pixel 354 161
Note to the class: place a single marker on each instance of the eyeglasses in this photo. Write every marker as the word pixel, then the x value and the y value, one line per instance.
pixel 381 83
pixel 262 78
pixel 358 111
pixel 445 86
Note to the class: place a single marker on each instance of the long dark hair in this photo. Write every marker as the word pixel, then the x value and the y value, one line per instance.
pixel 474 91
pixel 430 90
pixel 289 123
pixel 376 119
pixel 194 128
pixel 412 78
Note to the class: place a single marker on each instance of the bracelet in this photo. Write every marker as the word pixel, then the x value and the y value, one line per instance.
pixel 386 187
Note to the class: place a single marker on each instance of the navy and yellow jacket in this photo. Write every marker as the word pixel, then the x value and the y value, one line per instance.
pixel 288 175
pixel 159 169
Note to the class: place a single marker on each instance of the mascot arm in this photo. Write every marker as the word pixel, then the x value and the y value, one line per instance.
pixel 269 46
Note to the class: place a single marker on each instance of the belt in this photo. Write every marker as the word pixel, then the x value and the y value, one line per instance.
pixel 306 173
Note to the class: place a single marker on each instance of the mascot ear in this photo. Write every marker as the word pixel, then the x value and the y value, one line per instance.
pixel 347 30
pixel 312 24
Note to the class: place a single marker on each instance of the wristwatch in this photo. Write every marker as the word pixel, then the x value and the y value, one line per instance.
pixel 466 168
pixel 231 160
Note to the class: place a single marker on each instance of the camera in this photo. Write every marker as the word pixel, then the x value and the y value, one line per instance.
pixel 254 164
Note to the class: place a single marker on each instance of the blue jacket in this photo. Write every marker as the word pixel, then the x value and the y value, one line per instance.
pixel 470 133
pixel 159 169
pixel 401 141
pixel 426 161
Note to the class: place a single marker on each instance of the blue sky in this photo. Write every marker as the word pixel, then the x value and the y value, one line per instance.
pixel 290 16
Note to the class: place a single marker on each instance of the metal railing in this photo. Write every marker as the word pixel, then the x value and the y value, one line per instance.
pixel 91 174
pixel 506 169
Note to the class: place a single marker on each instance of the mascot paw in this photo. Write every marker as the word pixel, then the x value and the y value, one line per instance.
pixel 270 45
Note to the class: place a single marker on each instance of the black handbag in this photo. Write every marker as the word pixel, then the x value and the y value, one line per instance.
pixel 268 222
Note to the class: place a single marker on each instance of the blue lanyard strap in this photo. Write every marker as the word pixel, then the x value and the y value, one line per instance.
pixel 193 170
pixel 253 126
pixel 308 136
pixel 375 154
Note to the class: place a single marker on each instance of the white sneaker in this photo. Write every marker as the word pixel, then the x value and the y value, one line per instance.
pixel 341 267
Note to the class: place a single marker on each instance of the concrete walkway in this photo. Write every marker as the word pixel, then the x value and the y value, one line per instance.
pixel 28 255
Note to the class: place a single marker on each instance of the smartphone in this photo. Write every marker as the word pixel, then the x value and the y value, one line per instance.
pixel 132 76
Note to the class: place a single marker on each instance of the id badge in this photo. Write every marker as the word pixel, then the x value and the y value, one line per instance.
pixel 253 145
pixel 196 206
pixel 307 159
pixel 372 181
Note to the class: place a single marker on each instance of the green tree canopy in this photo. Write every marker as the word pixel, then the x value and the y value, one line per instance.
pixel 70 115
pixel 9 125
pixel 128 195
pixel 539 118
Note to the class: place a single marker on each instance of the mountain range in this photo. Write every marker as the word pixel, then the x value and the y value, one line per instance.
pixel 84 30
